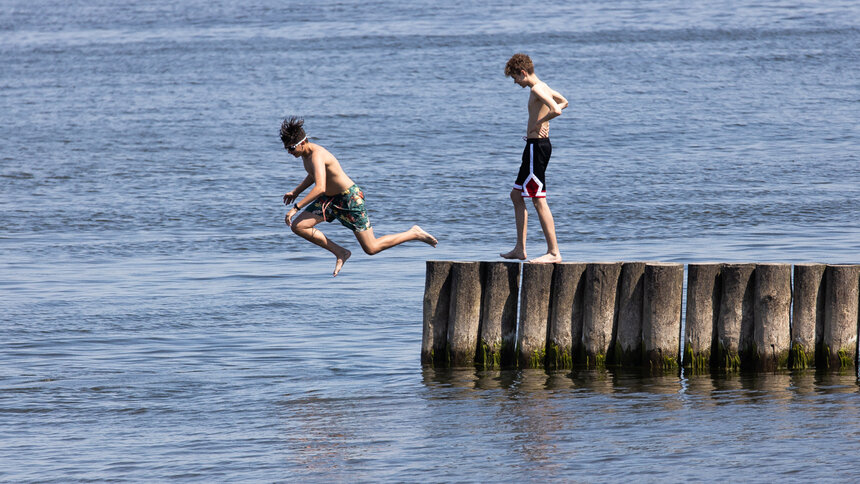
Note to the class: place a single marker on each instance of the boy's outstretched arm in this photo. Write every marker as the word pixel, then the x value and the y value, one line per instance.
pixel 291 195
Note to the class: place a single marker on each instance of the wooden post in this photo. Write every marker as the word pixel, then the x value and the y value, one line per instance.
pixel 465 316
pixel 807 326
pixel 735 326
pixel 628 346
pixel 661 323
pixel 499 314
pixel 598 310
pixel 703 309
pixel 534 314
pixel 772 309
pixel 565 326
pixel 437 294
pixel 839 342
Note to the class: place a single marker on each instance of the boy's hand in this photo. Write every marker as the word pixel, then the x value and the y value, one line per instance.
pixel 289 218
pixel 289 197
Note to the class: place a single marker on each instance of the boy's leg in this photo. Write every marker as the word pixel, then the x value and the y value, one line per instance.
pixel 548 226
pixel 522 217
pixel 303 226
pixel 373 245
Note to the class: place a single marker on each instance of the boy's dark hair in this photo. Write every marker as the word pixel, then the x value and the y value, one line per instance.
pixel 292 131
pixel 517 63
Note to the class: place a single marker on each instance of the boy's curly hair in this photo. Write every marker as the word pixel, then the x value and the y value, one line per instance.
pixel 292 131
pixel 519 62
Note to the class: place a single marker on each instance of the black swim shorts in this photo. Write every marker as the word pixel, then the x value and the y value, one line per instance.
pixel 531 179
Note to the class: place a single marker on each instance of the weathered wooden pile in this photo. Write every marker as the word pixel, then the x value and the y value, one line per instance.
pixel 738 316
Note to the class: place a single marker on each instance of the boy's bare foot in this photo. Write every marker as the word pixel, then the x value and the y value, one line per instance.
pixel 424 236
pixel 340 260
pixel 514 254
pixel 547 258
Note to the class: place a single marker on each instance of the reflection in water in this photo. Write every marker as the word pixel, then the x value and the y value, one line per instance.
pixel 319 436
pixel 610 417
pixel 595 423
pixel 718 386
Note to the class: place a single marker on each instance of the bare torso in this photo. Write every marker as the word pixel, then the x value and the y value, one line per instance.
pixel 537 110
pixel 336 180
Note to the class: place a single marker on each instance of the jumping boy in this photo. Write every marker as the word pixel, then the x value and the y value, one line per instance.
pixel 544 104
pixel 334 196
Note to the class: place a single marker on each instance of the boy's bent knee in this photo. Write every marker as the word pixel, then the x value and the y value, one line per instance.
pixel 300 226
pixel 369 244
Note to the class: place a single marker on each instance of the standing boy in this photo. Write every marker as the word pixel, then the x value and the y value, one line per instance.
pixel 334 196
pixel 544 104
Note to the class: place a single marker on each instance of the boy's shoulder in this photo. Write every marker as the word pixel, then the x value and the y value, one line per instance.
pixel 541 86
pixel 320 153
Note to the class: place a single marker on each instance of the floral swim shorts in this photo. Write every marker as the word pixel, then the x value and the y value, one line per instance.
pixel 347 206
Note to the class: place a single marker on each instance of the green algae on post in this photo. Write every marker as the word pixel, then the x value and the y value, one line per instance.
pixel 465 315
pixel 736 321
pixel 840 315
pixel 798 359
pixel 772 313
pixel 663 363
pixel 437 297
pixel 697 362
pixel 598 306
pixel 565 323
pixel 595 361
pixel 534 313
pixel 726 359
pixel 807 314
pixel 703 304
pixel 627 350
pixel 498 312
pixel 661 322
pixel 558 358
pixel 489 358
pixel 537 359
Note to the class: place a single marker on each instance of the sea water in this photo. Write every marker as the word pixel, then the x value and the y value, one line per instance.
pixel 158 321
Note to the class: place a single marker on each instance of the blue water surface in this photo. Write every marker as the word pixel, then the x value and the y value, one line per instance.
pixel 158 321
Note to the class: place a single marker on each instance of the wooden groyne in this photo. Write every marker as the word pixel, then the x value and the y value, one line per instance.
pixel 759 317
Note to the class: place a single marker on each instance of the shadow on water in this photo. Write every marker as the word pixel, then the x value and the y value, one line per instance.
pixel 722 388
pixel 601 380
pixel 608 417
